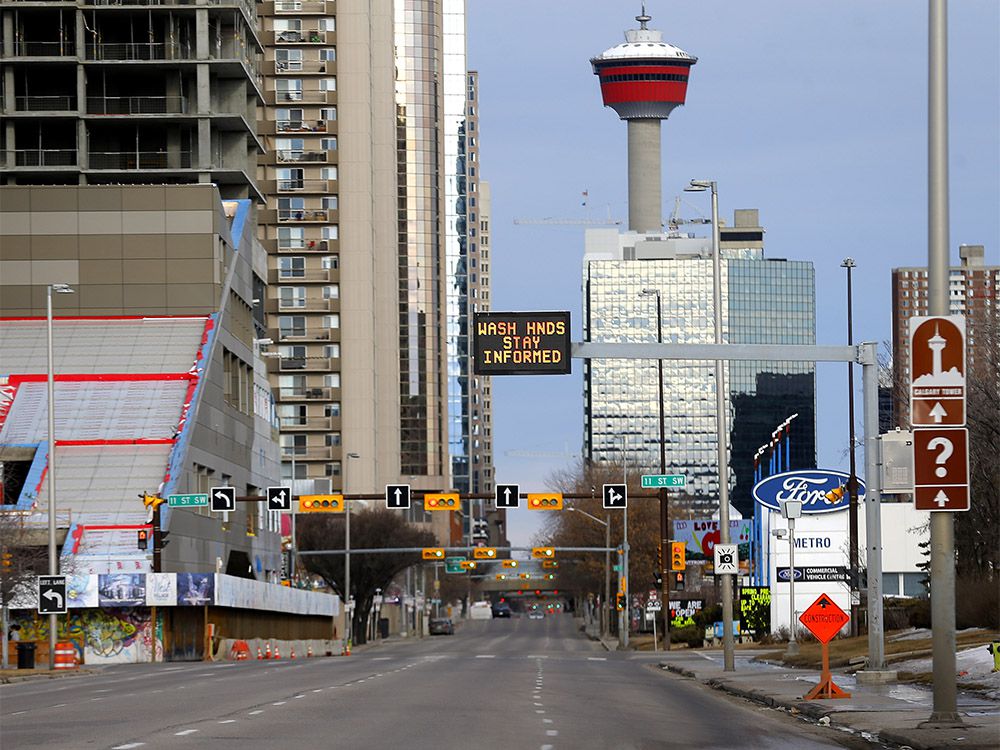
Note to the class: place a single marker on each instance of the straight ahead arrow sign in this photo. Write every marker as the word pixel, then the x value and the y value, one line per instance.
pixel 938 412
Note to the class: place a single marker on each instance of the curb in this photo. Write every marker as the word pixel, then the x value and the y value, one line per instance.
pixel 11 679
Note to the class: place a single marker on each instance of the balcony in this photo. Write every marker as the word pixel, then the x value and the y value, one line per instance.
pixel 305 364
pixel 138 51
pixel 304 186
pixel 301 156
pixel 305 36
pixel 301 7
pixel 45 103
pixel 303 424
pixel 301 245
pixel 304 305
pixel 136 105
pixel 65 48
pixel 291 67
pixel 306 216
pixel 140 160
pixel 309 453
pixel 319 276
pixel 307 393
pixel 319 97
pixel 301 126
pixel 45 157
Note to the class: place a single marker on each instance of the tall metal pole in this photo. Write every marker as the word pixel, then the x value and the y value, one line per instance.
pixel 293 574
pixel 628 608
pixel 606 620
pixel 852 480
pixel 729 659
pixel 349 626
pixel 873 508
pixel 664 502
pixel 793 644
pixel 53 559
pixel 945 710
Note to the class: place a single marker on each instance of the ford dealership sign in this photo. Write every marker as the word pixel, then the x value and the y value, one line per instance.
pixel 820 490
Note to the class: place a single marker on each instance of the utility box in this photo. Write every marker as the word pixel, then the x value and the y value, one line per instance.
pixel 896 465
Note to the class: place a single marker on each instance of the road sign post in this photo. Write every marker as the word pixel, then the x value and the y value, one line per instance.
pixel 615 496
pixel 279 498
pixel 51 595
pixel 676 481
pixel 222 499
pixel 824 619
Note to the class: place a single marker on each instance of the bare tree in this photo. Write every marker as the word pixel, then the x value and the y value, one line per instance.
pixel 370 529
pixel 22 561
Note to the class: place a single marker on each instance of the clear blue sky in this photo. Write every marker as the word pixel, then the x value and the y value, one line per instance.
pixel 815 113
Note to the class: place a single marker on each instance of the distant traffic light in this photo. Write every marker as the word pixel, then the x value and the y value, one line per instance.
pixel 543 553
pixel 545 501
pixel 8 559
pixel 509 563
pixel 142 539
pixel 484 553
pixel 678 555
pixel 321 504
pixel 620 602
pixel 501 577
pixel 432 553
pixel 441 501
pixel 678 581
pixel 657 578
pixel 524 576
pixel 550 564
pixel 467 565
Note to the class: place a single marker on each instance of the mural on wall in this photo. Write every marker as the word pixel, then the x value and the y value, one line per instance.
pixel 100 636
pixel 81 591
pixel 121 589
pixel 195 588
pixel 161 589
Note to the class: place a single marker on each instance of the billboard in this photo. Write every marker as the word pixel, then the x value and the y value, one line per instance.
pixel 701 535
pixel 819 490
pixel 521 343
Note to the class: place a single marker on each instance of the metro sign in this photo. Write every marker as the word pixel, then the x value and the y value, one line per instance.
pixel 941 468
pixel 937 371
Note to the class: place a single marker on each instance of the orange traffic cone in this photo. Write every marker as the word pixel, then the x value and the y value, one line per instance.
pixel 292 655
pixel 277 652
pixel 267 655
pixel 260 654
pixel 309 651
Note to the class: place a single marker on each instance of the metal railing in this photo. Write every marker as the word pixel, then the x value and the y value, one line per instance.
pixel 300 245
pixel 299 126
pixel 303 96
pixel 306 423
pixel 299 6
pixel 304 364
pixel 299 66
pixel 304 304
pixel 45 103
pixel 136 105
pixel 311 453
pixel 322 274
pixel 138 51
pixel 305 186
pixel 65 48
pixel 303 214
pixel 296 155
pixel 308 393
pixel 45 157
pixel 140 160
pixel 250 8
pixel 305 36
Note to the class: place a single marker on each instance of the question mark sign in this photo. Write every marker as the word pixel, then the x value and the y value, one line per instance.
pixel 947 448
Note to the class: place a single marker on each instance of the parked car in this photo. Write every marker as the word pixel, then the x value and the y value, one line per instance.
pixel 501 609
pixel 441 626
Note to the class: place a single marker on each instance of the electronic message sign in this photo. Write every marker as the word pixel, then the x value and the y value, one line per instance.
pixel 521 343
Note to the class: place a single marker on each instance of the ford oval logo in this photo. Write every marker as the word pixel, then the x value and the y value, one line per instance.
pixel 820 490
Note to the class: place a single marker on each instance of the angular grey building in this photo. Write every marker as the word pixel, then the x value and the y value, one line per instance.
pixel 765 300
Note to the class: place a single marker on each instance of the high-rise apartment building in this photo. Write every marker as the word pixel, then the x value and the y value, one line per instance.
pixel 129 91
pixel 371 223
pixel 765 301
pixel 972 292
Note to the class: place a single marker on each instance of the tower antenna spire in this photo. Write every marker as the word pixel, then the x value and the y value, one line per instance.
pixel 643 18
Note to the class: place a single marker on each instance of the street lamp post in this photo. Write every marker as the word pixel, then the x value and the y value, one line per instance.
pixel 664 503
pixel 607 567
pixel 852 481
pixel 53 557
pixel 790 510
pixel 729 659
pixel 347 553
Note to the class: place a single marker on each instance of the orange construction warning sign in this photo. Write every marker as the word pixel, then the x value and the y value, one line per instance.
pixel 824 618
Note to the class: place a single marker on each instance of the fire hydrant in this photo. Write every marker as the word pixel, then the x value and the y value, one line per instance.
pixel 994 648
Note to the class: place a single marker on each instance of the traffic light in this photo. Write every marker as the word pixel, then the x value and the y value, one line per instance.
pixel 509 563
pixel 550 576
pixel 468 565
pixel 538 592
pixel 8 559
pixel 160 539
pixel 432 553
pixel 443 501
pixel 142 539
pixel 678 556
pixel 501 577
pixel 657 578
pixel 543 553
pixel 659 556
pixel 484 553
pixel 321 504
pixel 679 581
pixel 525 576
pixel 545 501
pixel 550 564
pixel 151 501
pixel 620 602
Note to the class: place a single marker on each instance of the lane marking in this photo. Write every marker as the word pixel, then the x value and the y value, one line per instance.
pixel 279 703
pixel 381 658
pixel 228 721
pixel 597 658
pixel 18 712
pixel 59 705
pixel 184 731
pixel 128 746
pixel 102 690
pixel 486 656
pixel 552 732
pixel 539 711
pixel 546 747
pixel 300 695
pixel 546 721
pixel 539 704
pixel 173 669
pixel 318 690
pixel 706 656
pixel 254 713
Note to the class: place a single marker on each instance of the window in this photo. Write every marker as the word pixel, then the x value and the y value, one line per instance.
pixel 291 268
pixel 328 24
pixel 328 173
pixel 332 409
pixel 331 232
pixel 331 321
pixel 331 262
pixel 328 113
pixel 291 237
pixel 329 144
pixel 332 351
pixel 332 291
pixel 328 84
pixel 292 296
pixel 330 53
pixel 332 439
pixel 332 380
pixel 290 179
pixel 330 202
pixel 291 326
pixel 237 385
pixel 287 59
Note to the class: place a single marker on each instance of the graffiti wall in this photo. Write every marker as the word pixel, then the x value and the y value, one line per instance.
pixel 100 636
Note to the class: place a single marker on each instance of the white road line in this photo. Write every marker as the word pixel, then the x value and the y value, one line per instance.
pixel 546 747
pixel 539 711
pixel 96 699
pixel 546 721
pixel 300 695
pixel 597 658
pixel 228 721
pixel 102 690
pixel 279 703
pixel 128 746
pixel 486 656
pixel 318 690
pixel 706 656
pixel 381 658
pixel 59 705
pixel 254 713
pixel 552 732
pixel 539 704
pixel 184 731
pixel 16 713
pixel 173 669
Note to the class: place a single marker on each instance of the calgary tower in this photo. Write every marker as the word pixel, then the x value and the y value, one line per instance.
pixel 642 80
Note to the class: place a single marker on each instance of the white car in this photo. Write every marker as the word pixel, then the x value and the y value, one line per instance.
pixel 481 611
pixel 536 614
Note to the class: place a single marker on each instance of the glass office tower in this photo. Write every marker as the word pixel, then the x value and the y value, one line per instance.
pixel 764 301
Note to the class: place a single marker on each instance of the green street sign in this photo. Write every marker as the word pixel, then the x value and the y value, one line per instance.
pixel 186 501
pixel 616 568
pixel 664 480
pixel 453 564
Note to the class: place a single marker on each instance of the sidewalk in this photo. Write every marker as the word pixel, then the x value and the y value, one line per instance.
pixel 890 713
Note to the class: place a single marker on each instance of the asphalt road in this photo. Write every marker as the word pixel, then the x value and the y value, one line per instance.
pixel 495 684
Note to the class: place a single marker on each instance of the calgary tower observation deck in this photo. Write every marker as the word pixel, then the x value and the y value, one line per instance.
pixel 643 80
